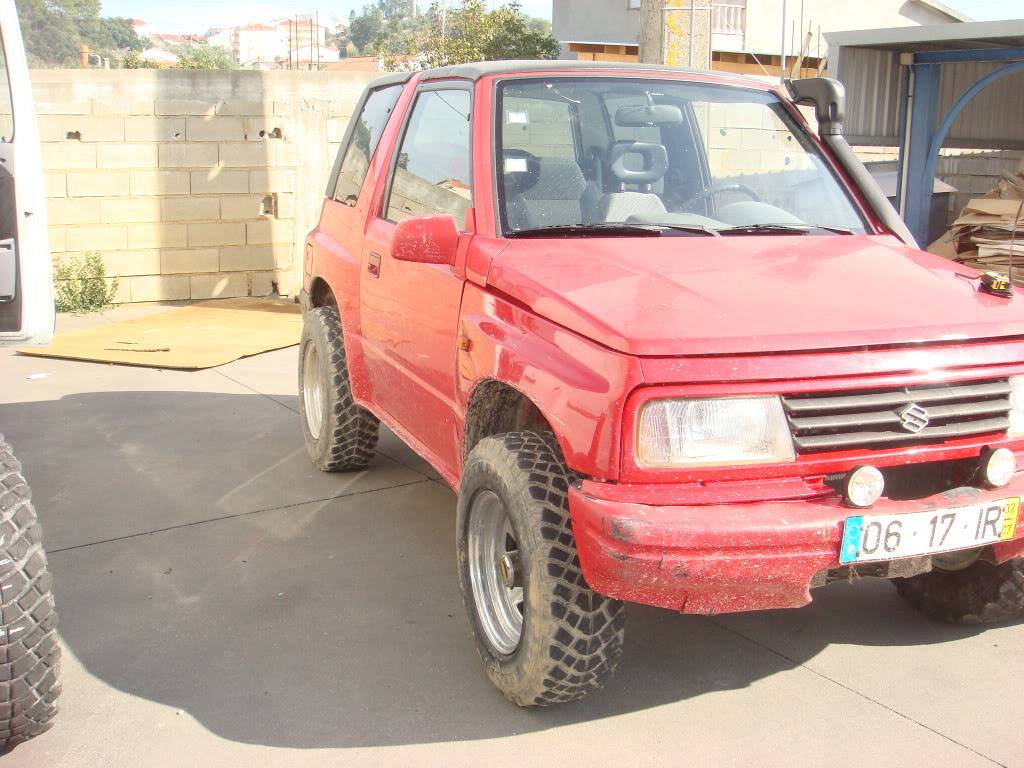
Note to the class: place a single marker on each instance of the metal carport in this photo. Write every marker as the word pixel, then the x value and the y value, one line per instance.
pixel 920 88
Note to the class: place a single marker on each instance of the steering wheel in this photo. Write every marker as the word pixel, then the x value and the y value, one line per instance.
pixel 716 189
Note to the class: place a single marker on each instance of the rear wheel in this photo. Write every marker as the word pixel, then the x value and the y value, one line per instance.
pixel 544 636
pixel 29 651
pixel 978 593
pixel 339 434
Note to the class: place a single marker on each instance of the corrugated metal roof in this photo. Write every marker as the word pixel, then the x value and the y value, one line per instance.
pixel 868 64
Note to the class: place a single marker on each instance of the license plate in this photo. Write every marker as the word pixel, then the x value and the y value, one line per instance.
pixel 891 537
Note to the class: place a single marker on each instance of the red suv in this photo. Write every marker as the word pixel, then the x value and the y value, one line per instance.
pixel 670 345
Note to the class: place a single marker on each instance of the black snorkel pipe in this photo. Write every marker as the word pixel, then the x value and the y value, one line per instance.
pixel 828 97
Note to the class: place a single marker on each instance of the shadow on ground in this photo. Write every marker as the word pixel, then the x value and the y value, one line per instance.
pixel 287 609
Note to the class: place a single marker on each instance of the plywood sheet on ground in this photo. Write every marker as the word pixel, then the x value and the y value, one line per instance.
pixel 201 335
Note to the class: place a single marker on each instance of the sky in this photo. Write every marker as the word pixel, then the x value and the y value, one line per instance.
pixel 199 15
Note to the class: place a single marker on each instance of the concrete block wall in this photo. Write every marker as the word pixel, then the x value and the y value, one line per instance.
pixel 191 184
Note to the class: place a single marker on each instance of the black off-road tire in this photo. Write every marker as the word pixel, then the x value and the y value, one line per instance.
pixel 982 593
pixel 29 651
pixel 572 637
pixel 348 434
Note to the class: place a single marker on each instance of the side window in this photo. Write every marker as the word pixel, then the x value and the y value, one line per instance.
pixel 432 175
pixel 370 125
pixel 6 102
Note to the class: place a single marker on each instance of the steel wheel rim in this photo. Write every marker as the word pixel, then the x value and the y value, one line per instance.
pixel 495 572
pixel 313 390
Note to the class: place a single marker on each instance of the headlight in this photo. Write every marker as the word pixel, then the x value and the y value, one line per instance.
pixel 1016 407
pixel 722 431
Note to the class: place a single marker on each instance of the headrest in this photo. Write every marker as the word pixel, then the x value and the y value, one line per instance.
pixel 654 156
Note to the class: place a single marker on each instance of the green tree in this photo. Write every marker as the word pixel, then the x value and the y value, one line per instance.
pixel 55 29
pixel 512 36
pixel 470 32
pixel 51 38
pixel 123 34
pixel 203 57
pixel 133 60
pixel 365 28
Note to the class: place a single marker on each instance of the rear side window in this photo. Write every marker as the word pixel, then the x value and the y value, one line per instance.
pixel 432 173
pixel 369 127
pixel 6 103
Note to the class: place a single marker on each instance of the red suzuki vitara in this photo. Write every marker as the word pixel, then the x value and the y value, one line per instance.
pixel 670 345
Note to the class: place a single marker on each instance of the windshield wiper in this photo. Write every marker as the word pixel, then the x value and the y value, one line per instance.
pixel 611 229
pixel 782 229
pixel 601 228
pixel 692 229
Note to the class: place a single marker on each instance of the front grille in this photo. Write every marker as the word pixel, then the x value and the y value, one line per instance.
pixel 882 418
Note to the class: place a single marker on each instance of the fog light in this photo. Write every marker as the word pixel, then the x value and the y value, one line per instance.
pixel 997 467
pixel 863 487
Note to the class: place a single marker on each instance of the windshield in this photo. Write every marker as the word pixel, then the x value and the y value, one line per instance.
pixel 580 153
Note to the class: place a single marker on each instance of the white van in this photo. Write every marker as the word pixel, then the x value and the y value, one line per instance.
pixel 29 650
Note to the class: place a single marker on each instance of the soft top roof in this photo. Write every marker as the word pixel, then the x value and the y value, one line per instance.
pixel 480 69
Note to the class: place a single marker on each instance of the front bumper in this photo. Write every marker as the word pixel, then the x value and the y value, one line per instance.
pixel 721 558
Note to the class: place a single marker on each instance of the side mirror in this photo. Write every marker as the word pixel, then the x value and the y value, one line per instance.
pixel 827 96
pixel 426 239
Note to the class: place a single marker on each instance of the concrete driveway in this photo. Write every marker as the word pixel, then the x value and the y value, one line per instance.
pixel 224 604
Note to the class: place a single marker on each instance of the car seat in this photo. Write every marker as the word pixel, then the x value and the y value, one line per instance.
pixel 547 191
pixel 619 206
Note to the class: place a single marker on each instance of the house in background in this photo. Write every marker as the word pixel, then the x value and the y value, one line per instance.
pixel 314 56
pixel 746 35
pixel 160 56
pixel 142 29
pixel 255 45
pixel 301 32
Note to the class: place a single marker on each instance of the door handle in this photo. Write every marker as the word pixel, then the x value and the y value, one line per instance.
pixel 373 265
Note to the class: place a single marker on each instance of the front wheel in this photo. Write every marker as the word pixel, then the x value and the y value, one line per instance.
pixel 29 652
pixel 980 593
pixel 544 636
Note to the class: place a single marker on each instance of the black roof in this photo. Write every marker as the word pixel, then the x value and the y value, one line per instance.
pixel 395 78
pixel 480 69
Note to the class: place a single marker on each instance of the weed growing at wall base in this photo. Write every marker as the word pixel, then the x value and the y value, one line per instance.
pixel 81 286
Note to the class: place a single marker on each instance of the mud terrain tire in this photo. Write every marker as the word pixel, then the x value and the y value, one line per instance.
pixel 982 593
pixel 29 651
pixel 347 434
pixel 571 637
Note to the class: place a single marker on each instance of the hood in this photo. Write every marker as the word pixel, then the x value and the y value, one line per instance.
pixel 668 296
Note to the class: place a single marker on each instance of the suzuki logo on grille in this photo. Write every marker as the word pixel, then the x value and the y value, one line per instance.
pixel 914 418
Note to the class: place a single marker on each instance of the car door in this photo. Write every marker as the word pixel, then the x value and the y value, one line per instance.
pixel 26 287
pixel 338 238
pixel 409 311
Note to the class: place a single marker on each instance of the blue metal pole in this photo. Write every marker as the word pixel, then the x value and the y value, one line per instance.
pixel 921 202
pixel 969 54
pixel 917 192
